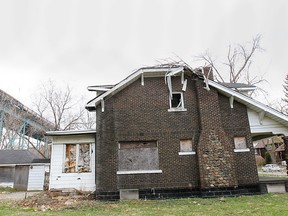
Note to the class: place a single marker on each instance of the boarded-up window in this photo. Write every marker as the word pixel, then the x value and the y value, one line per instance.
pixel 240 142
pixel 138 155
pixel 186 145
pixel 77 158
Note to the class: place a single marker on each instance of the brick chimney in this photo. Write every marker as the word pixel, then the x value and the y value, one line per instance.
pixel 215 154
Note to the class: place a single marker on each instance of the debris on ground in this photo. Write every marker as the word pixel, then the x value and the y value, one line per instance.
pixel 51 200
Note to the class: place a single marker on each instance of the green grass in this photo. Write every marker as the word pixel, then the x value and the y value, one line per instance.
pixel 7 190
pixel 269 204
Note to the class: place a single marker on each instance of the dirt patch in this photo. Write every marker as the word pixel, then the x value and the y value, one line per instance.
pixel 43 201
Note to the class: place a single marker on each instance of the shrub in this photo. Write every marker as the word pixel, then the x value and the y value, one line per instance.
pixel 260 161
pixel 268 158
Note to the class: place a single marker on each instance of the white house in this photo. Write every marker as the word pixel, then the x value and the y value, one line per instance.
pixel 73 160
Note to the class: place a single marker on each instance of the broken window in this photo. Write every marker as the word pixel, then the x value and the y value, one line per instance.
pixel 176 100
pixel 77 158
pixel 138 155
pixel 70 159
pixel 84 158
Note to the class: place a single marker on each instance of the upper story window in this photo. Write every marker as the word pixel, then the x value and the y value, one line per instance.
pixel 177 102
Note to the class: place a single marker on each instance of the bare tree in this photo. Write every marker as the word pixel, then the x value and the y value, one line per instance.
pixel 282 104
pixel 61 107
pixel 238 62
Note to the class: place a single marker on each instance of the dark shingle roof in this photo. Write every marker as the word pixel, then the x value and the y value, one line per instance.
pixel 17 157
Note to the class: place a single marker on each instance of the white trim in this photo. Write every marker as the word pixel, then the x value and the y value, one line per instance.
pixel 177 110
pixel 142 79
pixel 251 103
pixel 138 172
pixel 182 102
pixel 102 105
pixel 184 87
pixel 242 150
pixel 133 77
pixel 69 132
pixel 231 100
pixel 187 153
pixel 261 117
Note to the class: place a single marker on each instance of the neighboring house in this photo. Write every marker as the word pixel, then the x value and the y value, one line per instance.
pixel 73 160
pixel 23 170
pixel 272 146
pixel 169 131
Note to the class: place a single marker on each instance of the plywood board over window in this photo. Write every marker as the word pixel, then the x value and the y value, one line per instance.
pixel 186 147
pixel 138 156
pixel 240 144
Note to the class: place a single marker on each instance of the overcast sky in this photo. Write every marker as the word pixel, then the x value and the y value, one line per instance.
pixel 84 43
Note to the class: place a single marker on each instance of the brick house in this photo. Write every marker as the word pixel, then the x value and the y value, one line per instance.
pixel 169 132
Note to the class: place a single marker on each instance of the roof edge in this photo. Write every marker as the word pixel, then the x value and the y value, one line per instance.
pixel 70 132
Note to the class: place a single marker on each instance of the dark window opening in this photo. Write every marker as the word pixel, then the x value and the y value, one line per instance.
pixel 176 100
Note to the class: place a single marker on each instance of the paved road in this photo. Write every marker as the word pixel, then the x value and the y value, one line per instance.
pixel 16 195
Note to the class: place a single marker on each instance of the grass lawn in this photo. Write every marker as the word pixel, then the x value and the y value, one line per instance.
pixel 268 204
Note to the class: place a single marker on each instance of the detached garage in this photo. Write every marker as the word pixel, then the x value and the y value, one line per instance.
pixel 23 170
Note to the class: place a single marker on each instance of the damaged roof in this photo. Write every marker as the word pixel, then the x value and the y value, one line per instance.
pixel 229 90
pixel 158 71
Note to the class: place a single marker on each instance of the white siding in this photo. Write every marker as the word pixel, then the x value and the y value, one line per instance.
pixel 36 177
pixel 267 125
pixel 60 180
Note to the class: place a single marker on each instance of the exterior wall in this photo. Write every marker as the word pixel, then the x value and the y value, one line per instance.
pixel 37 177
pixel 7 176
pixel 236 124
pixel 61 180
pixel 140 113
pixel 21 177
pixel 215 152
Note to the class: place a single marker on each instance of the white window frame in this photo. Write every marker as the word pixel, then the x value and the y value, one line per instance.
pixel 179 108
pixel 77 157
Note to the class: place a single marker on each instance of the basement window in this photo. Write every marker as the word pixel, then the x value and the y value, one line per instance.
pixel 77 158
pixel 136 157
pixel 186 147
pixel 177 102
pixel 240 144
